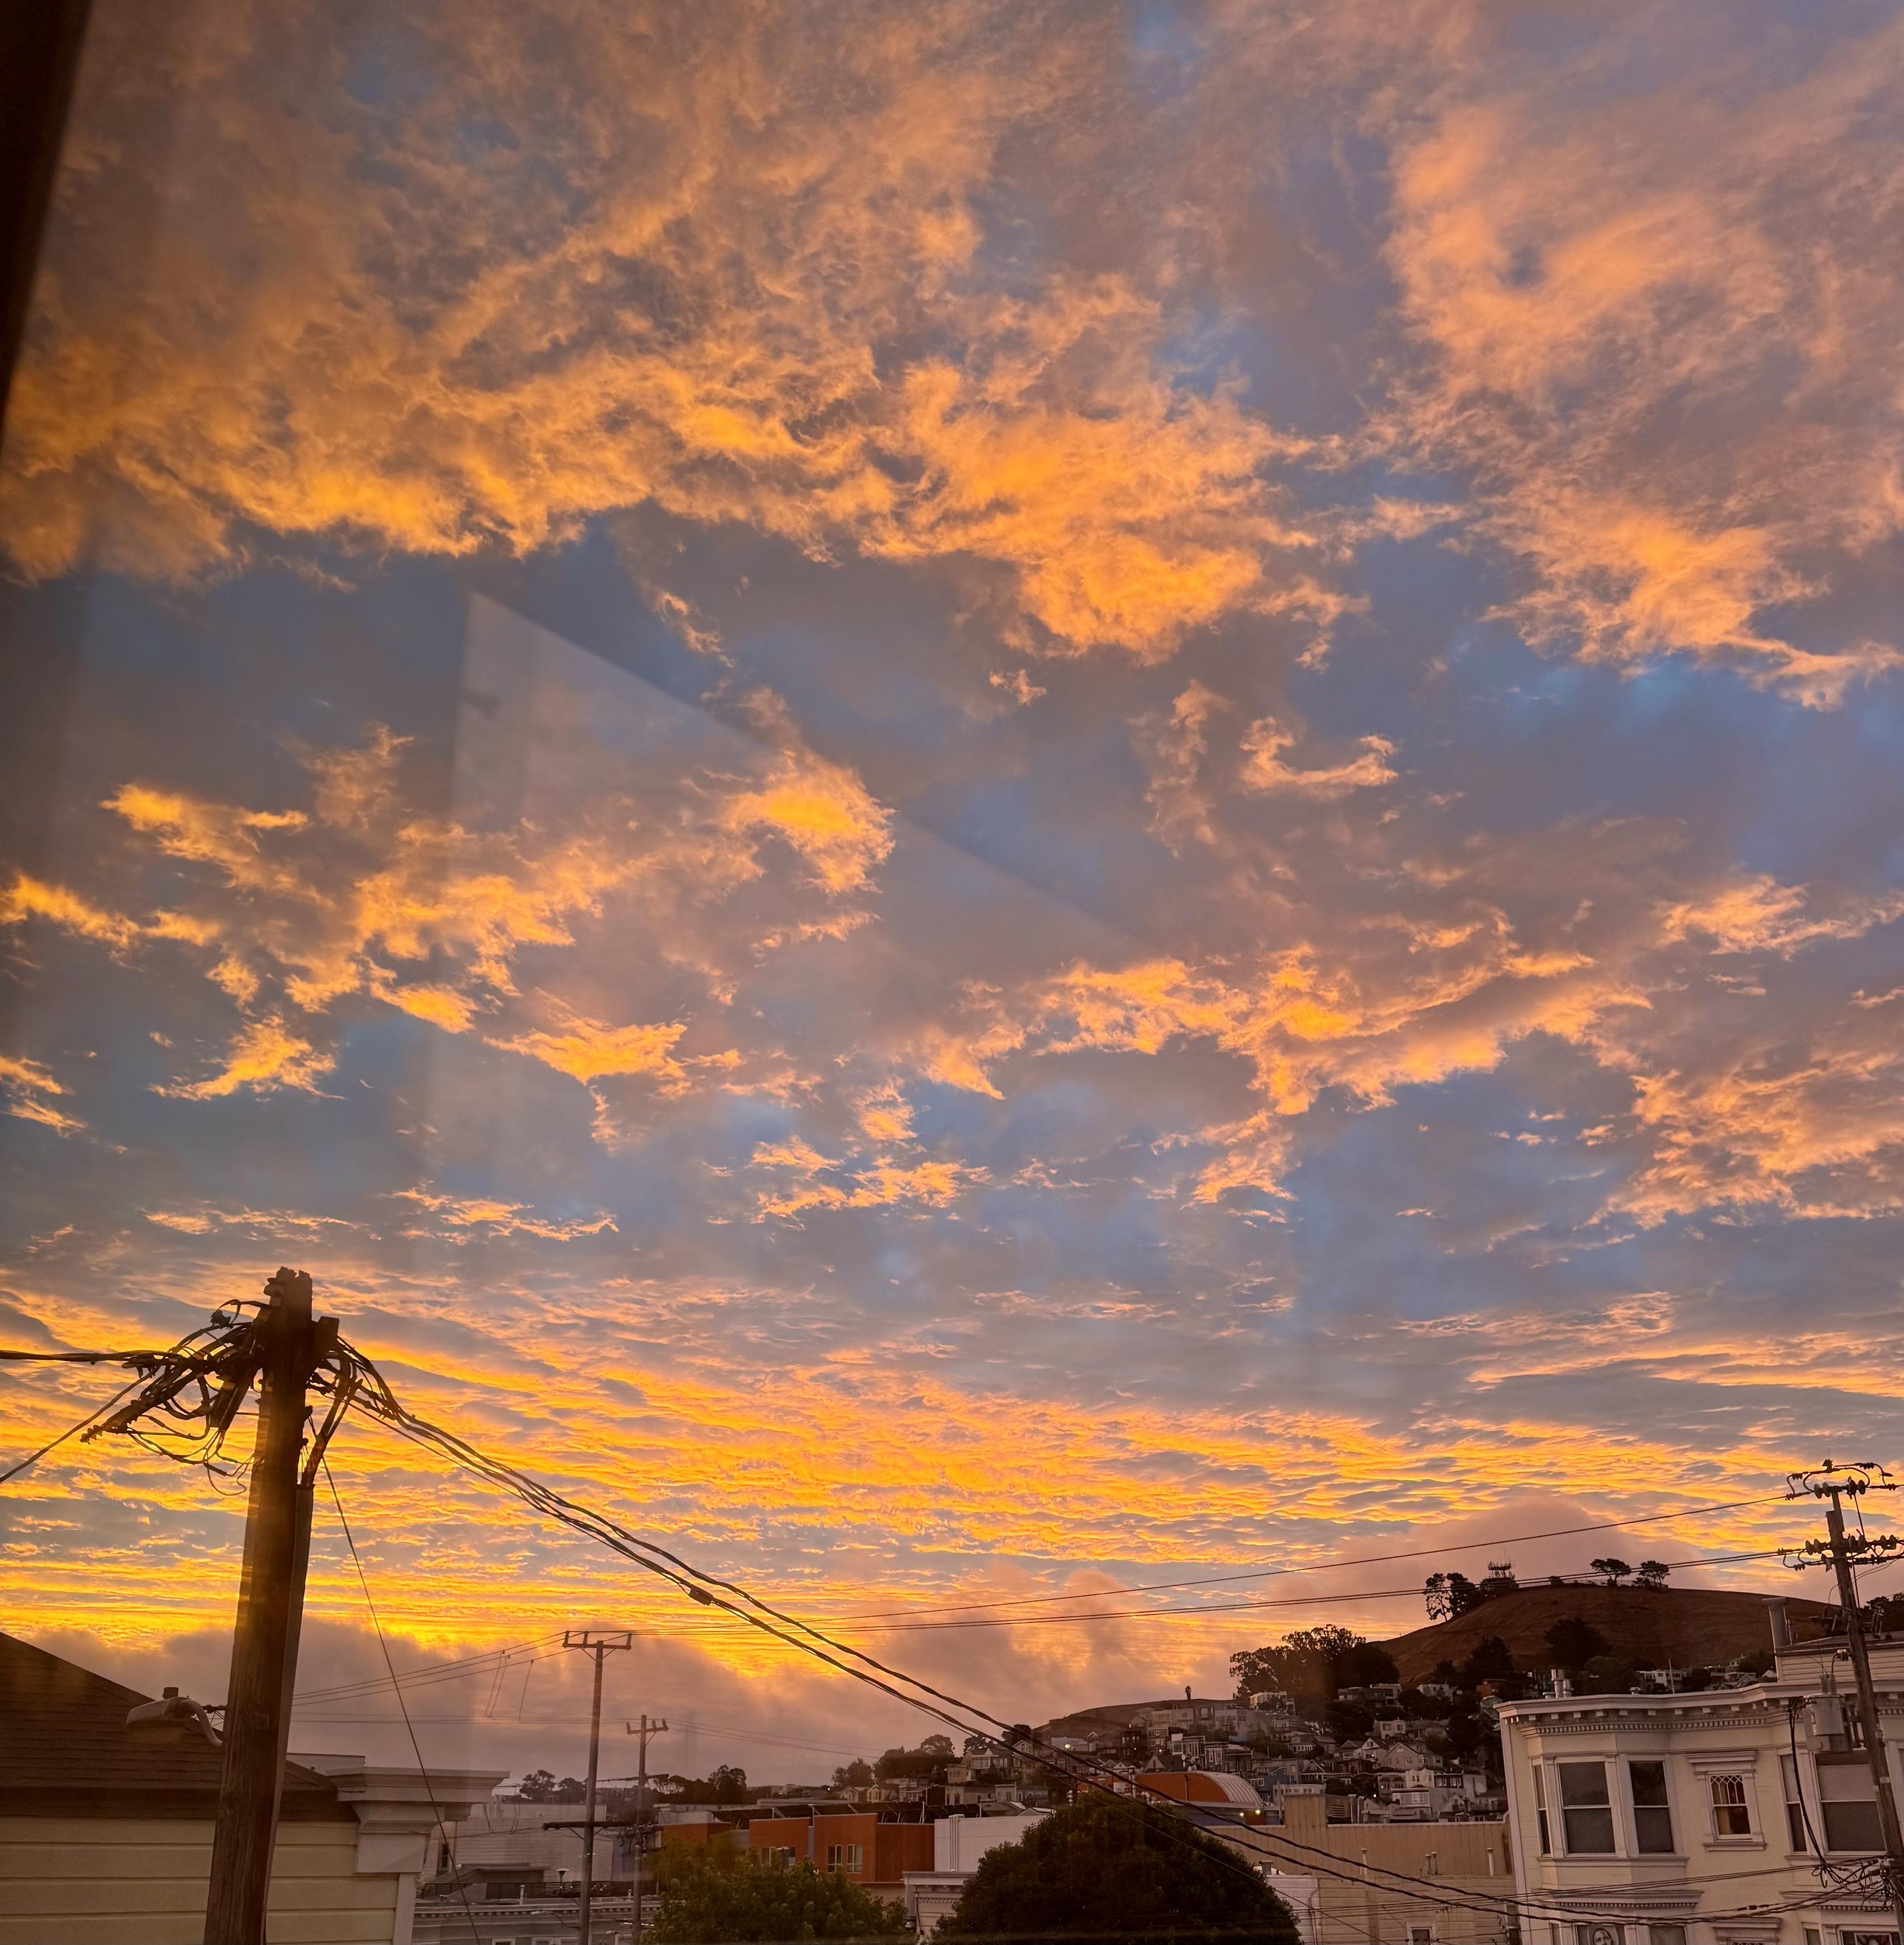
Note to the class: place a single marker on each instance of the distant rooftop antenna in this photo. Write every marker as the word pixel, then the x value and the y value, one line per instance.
pixel 1499 1569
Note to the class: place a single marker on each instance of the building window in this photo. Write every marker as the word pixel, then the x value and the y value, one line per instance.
pixel 1540 1811
pixel 1796 1834
pixel 849 1857
pixel 1586 1809
pixel 1653 1818
pixel 1597 1934
pixel 1665 1934
pixel 1847 1799
pixel 1420 1934
pixel 1732 1814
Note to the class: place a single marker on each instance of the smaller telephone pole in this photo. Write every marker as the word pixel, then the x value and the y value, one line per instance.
pixel 646 1730
pixel 600 1642
pixel 1834 1484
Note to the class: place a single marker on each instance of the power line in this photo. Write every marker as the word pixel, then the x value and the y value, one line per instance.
pixel 470 1665
pixel 71 1432
pixel 81 1357
pixel 1329 1566
pixel 351 1378
pixel 416 1748
pixel 374 1394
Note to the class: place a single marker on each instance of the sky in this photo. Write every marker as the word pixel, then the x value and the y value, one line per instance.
pixel 974 801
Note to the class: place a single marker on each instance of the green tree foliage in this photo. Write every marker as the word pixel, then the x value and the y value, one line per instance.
pixel 1349 1721
pixel 1447 1596
pixel 926 1764
pixel 1492 1660
pixel 541 1786
pixel 1312 1662
pixel 854 1775
pixel 725 1783
pixel 1110 1868
pixel 1573 1642
pixel 1606 1674
pixel 1365 1662
pixel 719 1894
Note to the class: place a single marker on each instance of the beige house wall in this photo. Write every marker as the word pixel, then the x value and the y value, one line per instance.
pixel 68 1880
pixel 1469 1861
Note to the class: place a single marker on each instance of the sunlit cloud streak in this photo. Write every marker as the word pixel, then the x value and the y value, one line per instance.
pixel 974 801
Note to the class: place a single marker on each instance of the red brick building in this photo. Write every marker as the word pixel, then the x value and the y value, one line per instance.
pixel 874 1852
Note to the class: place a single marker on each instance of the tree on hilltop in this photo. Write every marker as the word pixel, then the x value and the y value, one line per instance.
pixel 1312 1662
pixel 1614 1570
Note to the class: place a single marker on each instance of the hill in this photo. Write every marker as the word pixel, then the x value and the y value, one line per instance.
pixel 1650 1627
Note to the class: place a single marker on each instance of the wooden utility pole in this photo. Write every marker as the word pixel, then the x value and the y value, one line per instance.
pixel 646 1730
pixel 600 1644
pixel 289 1345
pixel 1833 1483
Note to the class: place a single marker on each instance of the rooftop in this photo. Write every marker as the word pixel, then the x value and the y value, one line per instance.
pixel 70 1752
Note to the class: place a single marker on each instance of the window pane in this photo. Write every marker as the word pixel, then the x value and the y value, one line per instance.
pixel 1589 1832
pixel 1586 1809
pixel 1852 1827
pixel 1731 1814
pixel 1653 1824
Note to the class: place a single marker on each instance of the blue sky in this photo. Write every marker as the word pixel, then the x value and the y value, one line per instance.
pixel 970 800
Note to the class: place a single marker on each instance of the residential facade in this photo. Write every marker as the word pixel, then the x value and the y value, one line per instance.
pixel 958 1843
pixel 1729 1816
pixel 874 1851
pixel 1462 1875
pixel 105 1824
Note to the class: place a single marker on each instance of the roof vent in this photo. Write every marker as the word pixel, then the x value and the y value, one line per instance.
pixel 175 1712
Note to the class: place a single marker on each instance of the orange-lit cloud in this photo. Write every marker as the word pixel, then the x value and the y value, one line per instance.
pixel 1758 914
pixel 1265 769
pixel 820 809
pixel 25 1086
pixel 795 338
pixel 297 914
pixel 26 898
pixel 588 1050
pixel 457 1212
pixel 264 1055
pixel 1648 319
pixel 1088 1078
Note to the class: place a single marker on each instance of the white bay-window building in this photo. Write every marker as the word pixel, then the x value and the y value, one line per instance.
pixel 1731 1817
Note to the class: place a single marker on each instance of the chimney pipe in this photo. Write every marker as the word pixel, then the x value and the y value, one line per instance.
pixel 1781 1628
